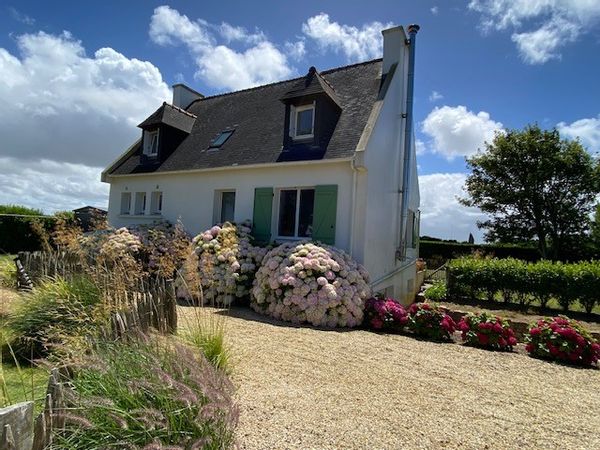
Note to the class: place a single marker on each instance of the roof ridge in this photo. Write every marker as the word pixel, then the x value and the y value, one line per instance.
pixel 328 71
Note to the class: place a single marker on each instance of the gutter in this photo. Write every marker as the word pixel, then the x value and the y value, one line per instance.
pixel 408 140
pixel 234 167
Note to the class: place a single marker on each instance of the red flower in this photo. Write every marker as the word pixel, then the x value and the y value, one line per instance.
pixel 484 339
pixel 377 323
pixel 502 342
pixel 512 341
pixel 529 348
pixel 535 331
pixel 498 328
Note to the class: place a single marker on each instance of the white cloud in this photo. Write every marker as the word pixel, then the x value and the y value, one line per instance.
pixel 587 130
pixel 218 65
pixel 435 96
pixel 21 17
pixel 63 109
pixel 434 10
pixel 541 27
pixel 441 214
pixel 420 147
pixel 296 50
pixel 456 131
pixel 50 185
pixel 355 43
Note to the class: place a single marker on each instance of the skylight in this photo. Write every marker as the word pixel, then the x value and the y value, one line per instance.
pixel 221 139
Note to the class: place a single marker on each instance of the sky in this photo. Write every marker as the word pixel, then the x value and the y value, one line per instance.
pixel 77 77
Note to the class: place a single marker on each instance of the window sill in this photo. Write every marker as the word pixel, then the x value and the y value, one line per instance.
pixel 291 238
pixel 304 137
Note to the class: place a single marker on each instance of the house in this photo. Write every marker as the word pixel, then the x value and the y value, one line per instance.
pixel 86 215
pixel 328 156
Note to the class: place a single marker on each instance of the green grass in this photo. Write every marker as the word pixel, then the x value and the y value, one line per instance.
pixel 20 384
pixel 8 271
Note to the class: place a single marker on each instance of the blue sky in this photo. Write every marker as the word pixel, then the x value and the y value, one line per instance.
pixel 75 78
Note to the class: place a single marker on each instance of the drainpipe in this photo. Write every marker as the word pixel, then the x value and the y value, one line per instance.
pixel 408 140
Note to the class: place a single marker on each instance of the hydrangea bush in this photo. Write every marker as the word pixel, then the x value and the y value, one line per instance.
pixel 227 262
pixel 562 339
pixel 384 314
pixel 305 282
pixel 430 321
pixel 487 331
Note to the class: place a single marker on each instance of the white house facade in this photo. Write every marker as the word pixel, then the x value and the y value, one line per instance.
pixel 329 156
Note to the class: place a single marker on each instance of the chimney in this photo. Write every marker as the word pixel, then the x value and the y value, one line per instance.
pixel 183 95
pixel 394 40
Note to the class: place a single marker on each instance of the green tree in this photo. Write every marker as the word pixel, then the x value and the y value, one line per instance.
pixel 533 185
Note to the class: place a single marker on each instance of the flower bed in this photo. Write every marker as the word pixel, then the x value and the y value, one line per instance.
pixel 385 314
pixel 227 262
pixel 487 331
pixel 430 321
pixel 304 282
pixel 562 339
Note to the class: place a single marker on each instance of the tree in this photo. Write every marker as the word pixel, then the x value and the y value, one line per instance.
pixel 533 185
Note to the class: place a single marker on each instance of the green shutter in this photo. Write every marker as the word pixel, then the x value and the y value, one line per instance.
pixel 263 211
pixel 324 214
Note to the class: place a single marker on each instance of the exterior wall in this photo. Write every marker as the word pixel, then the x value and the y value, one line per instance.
pixel 190 196
pixel 378 207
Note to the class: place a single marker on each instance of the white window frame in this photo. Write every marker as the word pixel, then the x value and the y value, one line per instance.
pixel 144 205
pixel 156 200
pixel 275 221
pixel 294 110
pixel 123 211
pixel 218 204
pixel 149 137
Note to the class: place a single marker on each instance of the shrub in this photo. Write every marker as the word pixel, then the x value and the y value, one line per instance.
pixel 430 321
pixel 55 313
pixel 385 314
pixel 206 331
pixel 437 292
pixel 227 262
pixel 523 282
pixel 487 331
pixel 305 282
pixel 155 393
pixel 562 339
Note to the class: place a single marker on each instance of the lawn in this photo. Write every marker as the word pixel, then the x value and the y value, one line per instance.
pixel 22 384
pixel 300 387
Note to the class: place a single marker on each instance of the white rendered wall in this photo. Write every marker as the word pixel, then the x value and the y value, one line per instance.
pixel 190 196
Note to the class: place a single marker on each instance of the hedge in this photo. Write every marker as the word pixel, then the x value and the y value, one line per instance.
pixel 431 250
pixel 518 281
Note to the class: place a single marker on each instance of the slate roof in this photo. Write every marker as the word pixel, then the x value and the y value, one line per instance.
pixel 258 116
pixel 312 83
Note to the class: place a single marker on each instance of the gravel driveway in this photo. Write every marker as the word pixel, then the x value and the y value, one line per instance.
pixel 301 388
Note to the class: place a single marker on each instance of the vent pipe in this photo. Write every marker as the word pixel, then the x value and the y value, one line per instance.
pixel 408 140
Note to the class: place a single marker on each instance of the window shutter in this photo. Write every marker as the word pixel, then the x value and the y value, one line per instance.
pixel 292 121
pixel 263 211
pixel 324 214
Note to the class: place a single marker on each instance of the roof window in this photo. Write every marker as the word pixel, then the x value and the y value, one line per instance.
pixel 221 139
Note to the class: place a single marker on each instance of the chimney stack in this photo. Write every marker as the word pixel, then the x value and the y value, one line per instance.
pixel 183 95
pixel 394 40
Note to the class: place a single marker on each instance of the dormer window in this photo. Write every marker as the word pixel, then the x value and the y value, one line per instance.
pixel 151 143
pixel 302 120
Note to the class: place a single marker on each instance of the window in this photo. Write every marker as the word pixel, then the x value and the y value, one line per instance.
pixel 302 121
pixel 227 206
pixel 221 139
pixel 125 202
pixel 295 213
pixel 156 203
pixel 140 203
pixel 412 229
pixel 151 143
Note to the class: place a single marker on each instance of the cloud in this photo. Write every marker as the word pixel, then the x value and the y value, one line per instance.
pixel 435 96
pixel 62 108
pixel 357 44
pixel 20 17
pixel 434 10
pixel 441 214
pixel 456 131
pixel 219 65
pixel 296 50
pixel 541 27
pixel 587 130
pixel 50 185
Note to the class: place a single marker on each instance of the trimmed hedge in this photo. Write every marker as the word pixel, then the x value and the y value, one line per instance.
pixel 521 282
pixel 432 250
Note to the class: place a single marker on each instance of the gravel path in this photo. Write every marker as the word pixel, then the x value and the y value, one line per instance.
pixel 301 388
